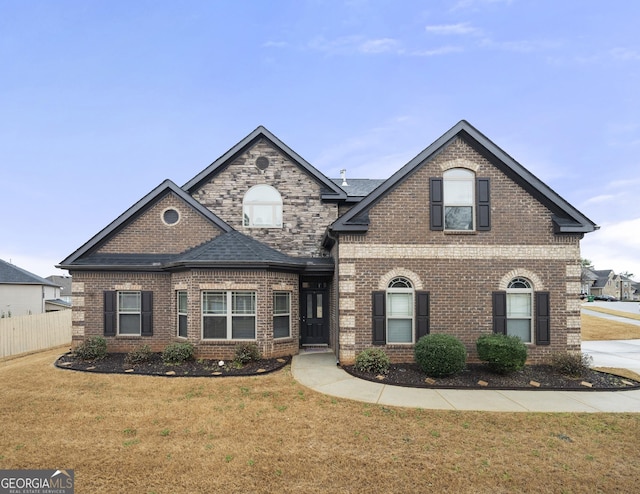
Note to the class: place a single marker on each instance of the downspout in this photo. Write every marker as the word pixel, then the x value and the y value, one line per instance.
pixel 336 296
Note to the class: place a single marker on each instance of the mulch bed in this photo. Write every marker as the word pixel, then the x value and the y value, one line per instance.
pixel 478 376
pixel 475 376
pixel 115 363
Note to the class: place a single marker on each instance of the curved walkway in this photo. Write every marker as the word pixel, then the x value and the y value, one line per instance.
pixel 319 372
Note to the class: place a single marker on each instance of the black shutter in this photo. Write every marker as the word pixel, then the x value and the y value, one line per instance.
pixel 436 204
pixel 483 206
pixel 543 319
pixel 500 312
pixel 110 313
pixel 422 314
pixel 147 314
pixel 379 318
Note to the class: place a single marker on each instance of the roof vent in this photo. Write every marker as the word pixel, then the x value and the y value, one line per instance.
pixel 262 163
pixel 343 176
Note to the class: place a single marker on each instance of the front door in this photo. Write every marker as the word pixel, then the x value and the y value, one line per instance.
pixel 314 324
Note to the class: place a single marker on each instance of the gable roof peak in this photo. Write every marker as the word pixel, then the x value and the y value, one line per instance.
pixel 566 218
pixel 332 190
pixel 167 186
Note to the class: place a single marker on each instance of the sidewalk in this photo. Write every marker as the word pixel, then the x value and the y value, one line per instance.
pixel 319 372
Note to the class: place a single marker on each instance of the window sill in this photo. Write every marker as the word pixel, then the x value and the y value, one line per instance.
pixel 224 342
pixel 460 232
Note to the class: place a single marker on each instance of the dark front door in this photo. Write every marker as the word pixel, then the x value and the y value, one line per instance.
pixel 314 303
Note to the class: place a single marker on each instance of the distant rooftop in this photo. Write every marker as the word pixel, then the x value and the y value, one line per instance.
pixel 11 274
pixel 358 187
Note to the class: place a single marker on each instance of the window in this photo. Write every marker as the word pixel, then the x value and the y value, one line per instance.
pixel 281 314
pixel 400 311
pixel 400 314
pixel 459 202
pixel 229 315
pixel 129 313
pixel 519 309
pixel 182 314
pixel 458 194
pixel 262 207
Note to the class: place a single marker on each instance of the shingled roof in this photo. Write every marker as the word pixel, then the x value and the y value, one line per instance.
pixel 566 218
pixel 13 275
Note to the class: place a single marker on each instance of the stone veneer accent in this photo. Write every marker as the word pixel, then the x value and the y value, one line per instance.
pixel 304 215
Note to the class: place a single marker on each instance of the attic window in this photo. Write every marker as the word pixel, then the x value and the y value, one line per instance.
pixel 262 163
pixel 170 216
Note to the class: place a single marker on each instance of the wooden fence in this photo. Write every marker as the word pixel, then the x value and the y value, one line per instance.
pixel 26 334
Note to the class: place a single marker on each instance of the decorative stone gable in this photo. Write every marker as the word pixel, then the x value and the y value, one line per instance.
pixel 168 227
pixel 304 216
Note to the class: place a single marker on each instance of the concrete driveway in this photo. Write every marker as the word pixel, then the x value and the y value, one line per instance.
pixel 624 354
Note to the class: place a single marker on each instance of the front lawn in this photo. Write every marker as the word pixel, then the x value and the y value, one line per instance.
pixel 267 433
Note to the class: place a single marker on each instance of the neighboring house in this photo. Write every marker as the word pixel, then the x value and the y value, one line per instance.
pixel 23 293
pixel 64 282
pixel 605 283
pixel 626 288
pixel 260 246
pixel 587 281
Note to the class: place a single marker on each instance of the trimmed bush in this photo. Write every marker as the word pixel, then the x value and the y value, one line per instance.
pixel 247 352
pixel 571 364
pixel 372 360
pixel 440 355
pixel 93 348
pixel 139 355
pixel 503 354
pixel 177 353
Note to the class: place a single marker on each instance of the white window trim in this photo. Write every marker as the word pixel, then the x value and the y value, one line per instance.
pixel 248 209
pixel 178 313
pixel 229 315
pixel 287 314
pixel 411 291
pixel 528 291
pixel 445 204
pixel 138 313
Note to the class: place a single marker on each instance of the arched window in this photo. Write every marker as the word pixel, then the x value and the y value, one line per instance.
pixel 520 309
pixel 459 199
pixel 400 306
pixel 262 207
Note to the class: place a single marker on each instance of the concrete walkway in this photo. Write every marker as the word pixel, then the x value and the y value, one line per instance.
pixel 319 372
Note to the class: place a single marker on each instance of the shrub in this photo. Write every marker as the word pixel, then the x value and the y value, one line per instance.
pixel 247 352
pixel 372 360
pixel 571 364
pixel 440 355
pixel 502 353
pixel 139 355
pixel 93 348
pixel 177 353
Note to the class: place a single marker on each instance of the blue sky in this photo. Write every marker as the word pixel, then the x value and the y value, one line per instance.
pixel 100 101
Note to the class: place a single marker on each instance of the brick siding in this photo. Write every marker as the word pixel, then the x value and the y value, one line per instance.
pixel 460 271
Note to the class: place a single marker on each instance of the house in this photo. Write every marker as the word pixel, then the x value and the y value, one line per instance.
pixel 261 246
pixel 64 282
pixel 23 293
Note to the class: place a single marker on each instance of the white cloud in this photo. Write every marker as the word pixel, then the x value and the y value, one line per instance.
pixel 460 29
pixel 600 199
pixel 615 246
pixel 275 44
pixel 379 45
pixel 624 54
pixel 355 44
pixel 443 50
